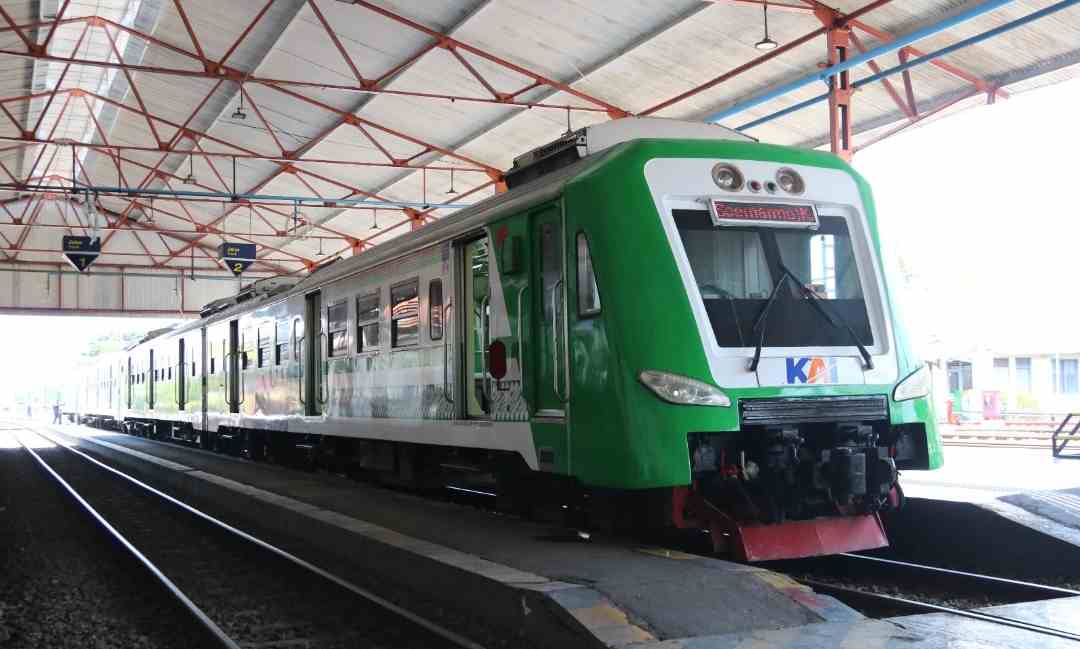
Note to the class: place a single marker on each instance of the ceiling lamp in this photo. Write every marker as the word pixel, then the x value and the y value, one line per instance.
pixel 766 44
pixel 374 220
pixel 239 112
pixel 190 179
pixel 451 190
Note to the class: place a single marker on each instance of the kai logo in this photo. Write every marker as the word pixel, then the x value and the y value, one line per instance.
pixel 811 369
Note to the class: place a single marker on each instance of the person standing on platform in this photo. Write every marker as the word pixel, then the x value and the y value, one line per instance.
pixel 56 413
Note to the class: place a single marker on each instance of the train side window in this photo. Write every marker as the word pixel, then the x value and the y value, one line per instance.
pixel 367 322
pixel 587 290
pixel 435 312
pixel 337 327
pixel 405 314
pixel 246 342
pixel 265 342
pixel 281 349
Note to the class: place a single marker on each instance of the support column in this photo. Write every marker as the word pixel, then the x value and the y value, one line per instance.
pixel 838 40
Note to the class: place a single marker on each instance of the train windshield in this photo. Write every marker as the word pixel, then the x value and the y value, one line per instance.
pixel 736 270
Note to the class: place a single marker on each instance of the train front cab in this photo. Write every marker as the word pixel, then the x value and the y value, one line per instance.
pixel 794 453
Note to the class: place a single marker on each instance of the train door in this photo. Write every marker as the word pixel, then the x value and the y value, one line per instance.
pixel 205 351
pixel 476 321
pixel 181 376
pixel 130 378
pixel 314 370
pixel 232 365
pixel 549 377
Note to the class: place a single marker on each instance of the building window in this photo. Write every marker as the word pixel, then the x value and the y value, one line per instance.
pixel 367 322
pixel 1065 375
pixel 435 312
pixel 1023 373
pixel 1001 373
pixel 587 291
pixel 337 326
pixel 959 376
pixel 405 314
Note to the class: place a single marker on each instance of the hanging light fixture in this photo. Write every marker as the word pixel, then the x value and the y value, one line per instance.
pixel 190 179
pixel 239 112
pixel 766 43
pixel 451 190
pixel 374 220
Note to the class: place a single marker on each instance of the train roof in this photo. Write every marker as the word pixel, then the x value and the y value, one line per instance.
pixel 593 146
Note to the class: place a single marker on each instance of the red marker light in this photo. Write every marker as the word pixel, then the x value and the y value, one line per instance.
pixel 497 359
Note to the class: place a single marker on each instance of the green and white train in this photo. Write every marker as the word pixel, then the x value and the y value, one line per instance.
pixel 659 322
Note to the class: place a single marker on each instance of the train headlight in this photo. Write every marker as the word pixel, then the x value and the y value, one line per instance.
pixel 914 385
pixel 790 181
pixel 727 177
pixel 674 388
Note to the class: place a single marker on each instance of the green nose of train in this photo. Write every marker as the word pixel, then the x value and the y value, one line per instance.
pixel 729 356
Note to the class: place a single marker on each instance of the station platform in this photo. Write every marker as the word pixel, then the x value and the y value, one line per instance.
pixel 533 580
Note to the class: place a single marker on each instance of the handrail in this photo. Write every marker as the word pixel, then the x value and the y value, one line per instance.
pixel 555 340
pixel 243 379
pixel 520 340
pixel 1056 450
pixel 446 344
pixel 484 333
pixel 300 363
pixel 322 353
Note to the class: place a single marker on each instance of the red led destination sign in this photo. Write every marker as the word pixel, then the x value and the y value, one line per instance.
pixel 768 214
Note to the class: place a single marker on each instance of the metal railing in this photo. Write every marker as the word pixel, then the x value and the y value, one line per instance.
pixel 1068 437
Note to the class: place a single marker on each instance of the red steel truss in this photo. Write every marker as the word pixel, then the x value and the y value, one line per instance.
pixel 217 154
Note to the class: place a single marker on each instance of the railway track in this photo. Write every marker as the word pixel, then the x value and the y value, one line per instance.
pixel 239 590
pixel 862 581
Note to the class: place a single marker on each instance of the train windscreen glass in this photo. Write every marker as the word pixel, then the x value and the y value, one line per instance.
pixel 736 269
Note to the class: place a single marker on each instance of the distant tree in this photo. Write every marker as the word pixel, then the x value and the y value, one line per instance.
pixel 112 342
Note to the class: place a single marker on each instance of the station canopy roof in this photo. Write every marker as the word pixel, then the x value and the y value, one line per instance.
pixel 413 105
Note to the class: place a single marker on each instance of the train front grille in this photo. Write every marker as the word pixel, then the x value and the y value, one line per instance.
pixel 800 410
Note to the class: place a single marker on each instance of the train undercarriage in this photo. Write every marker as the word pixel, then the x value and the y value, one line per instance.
pixel 763 493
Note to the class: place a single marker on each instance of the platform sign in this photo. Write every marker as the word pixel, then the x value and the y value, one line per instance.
pixel 81 251
pixel 238 256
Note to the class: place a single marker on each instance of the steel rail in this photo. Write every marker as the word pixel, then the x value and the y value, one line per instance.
pixel 432 627
pixel 1000 581
pixel 200 616
pixel 937 608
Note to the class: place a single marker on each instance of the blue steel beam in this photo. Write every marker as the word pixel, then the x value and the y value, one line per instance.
pixel 997 31
pixel 235 198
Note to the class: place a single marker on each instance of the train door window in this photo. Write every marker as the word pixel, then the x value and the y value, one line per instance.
pixel 281 347
pixel 337 329
pixel 435 312
pixel 298 339
pixel 476 318
pixel 587 291
pixel 367 322
pixel 405 314
pixel 265 342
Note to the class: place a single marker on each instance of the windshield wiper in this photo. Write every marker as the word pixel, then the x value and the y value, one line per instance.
pixel 834 318
pixel 759 321
pixel 818 302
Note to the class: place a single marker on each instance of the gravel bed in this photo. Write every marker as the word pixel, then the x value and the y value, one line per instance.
pixel 256 597
pixel 64 583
